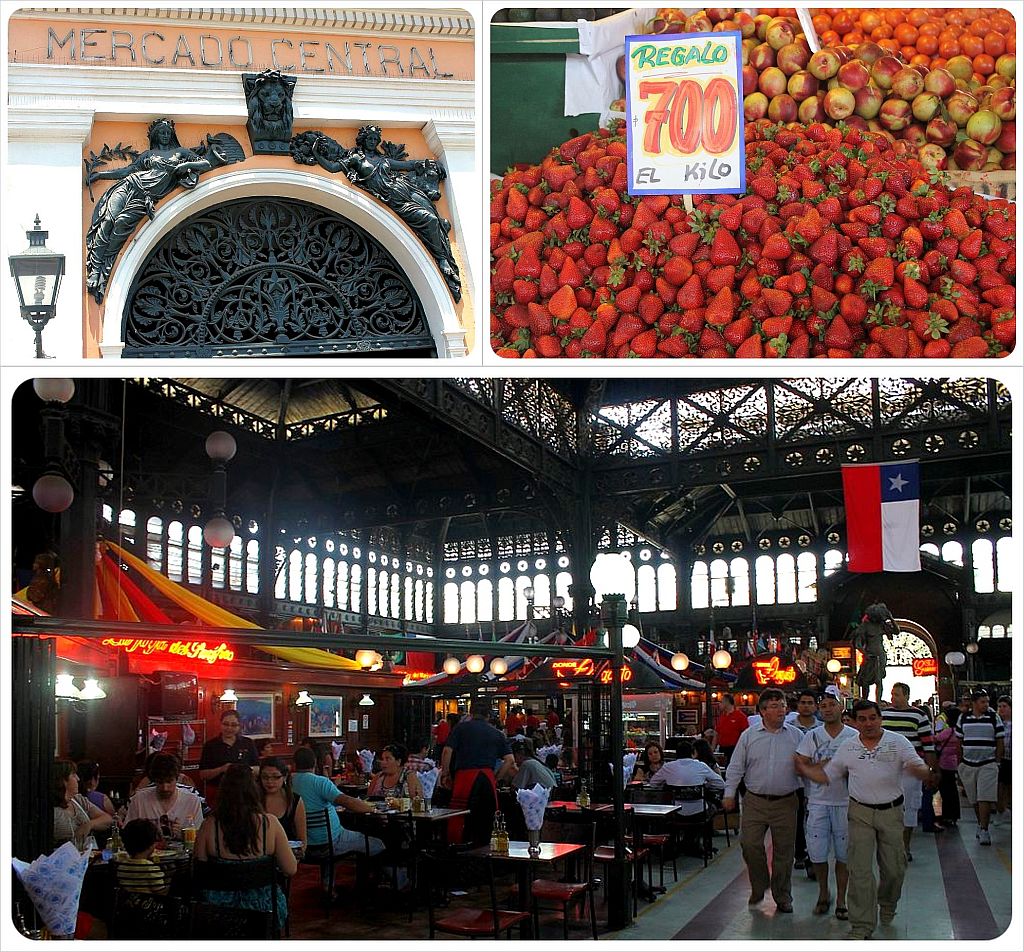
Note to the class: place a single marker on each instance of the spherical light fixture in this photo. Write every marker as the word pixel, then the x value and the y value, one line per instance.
pixel 92 690
pixel 955 658
pixel 834 666
pixel 612 575
pixel 528 593
pixel 53 493
pixel 630 636
pixel 499 666
pixel 54 389
pixel 721 659
pixel 218 532
pixel 475 663
pixel 680 661
pixel 972 647
pixel 65 687
pixel 558 602
pixel 452 665
pixel 365 657
pixel 221 446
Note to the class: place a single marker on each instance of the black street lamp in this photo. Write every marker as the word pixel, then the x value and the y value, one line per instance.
pixel 37 271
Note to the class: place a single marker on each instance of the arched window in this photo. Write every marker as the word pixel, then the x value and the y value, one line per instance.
pixel 342 586
pixel 562 582
pixel 451 603
pixel 739 572
pixel 252 566
pixel 834 561
pixel 355 588
pixel 429 602
pixel 699 585
pixel 786 576
pixel 646 588
pixel 155 543
pixel 953 552
pixel 984 565
pixel 506 599
pixel 218 567
pixel 126 518
pixel 280 573
pixel 806 577
pixel 719 582
pixel 542 591
pixel 410 594
pixel 467 603
pixel 419 612
pixel 195 554
pixel 764 571
pixel 330 580
pixel 484 604
pixel 396 593
pixel 295 575
pixel 175 538
pixel 383 588
pixel 931 548
pixel 522 584
pixel 371 591
pixel 309 586
pixel 666 587
pixel 236 564
pixel 1007 566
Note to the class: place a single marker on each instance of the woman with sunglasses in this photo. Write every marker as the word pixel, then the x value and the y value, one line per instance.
pixel 279 800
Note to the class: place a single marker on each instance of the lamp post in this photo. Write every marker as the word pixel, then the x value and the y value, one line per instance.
pixel 37 272
pixel 972 650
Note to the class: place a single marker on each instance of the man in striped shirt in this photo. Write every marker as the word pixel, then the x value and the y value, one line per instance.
pixel 916 726
pixel 981 748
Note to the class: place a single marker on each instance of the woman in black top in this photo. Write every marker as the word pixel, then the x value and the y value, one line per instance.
pixel 279 800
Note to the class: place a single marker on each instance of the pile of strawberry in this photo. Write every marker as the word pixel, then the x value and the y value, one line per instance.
pixel 841 247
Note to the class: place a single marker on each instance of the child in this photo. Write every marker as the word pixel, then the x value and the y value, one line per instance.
pixel 138 873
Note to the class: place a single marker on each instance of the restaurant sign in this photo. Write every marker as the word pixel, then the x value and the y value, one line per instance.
pixel 923 667
pixel 584 668
pixel 770 671
pixel 193 650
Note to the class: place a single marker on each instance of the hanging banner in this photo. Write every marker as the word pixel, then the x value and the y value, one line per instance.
pixel 684 121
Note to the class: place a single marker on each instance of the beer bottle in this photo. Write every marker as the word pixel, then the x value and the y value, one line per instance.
pixel 496 834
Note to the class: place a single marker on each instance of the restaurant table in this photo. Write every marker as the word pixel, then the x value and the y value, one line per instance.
pixel 519 856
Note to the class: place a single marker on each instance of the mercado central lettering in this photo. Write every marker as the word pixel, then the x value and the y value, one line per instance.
pixel 339 56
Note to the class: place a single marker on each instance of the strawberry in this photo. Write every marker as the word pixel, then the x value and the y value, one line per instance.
pixel 691 294
pixel 548 346
pixel 915 293
pixel 719 278
pixel 776 247
pixel 628 326
pixel 528 264
pixel 502 275
pixel 595 339
pixel 563 303
pixel 644 344
pixel 628 300
pixel 970 348
pixel 738 330
pixel 892 339
pixel 825 250
pixel 778 301
pixel 571 149
pixel 579 214
pixel 524 291
pixel 880 272
pixel 838 335
pixel 724 249
pixel 720 309
pixel 937 349
pixel 650 308
pixel 774 326
pixel 970 244
pixel 751 348
pixel 516 205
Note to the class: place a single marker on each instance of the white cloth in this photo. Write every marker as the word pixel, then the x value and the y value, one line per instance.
pixel 366 759
pixel 689 773
pixel 534 801
pixel 874 776
pixel 185 808
pixel 820 746
pixel 428 780
pixel 54 884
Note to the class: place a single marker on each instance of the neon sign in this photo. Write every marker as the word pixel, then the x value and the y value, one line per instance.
pixel 193 650
pixel 573 668
pixel 769 672
pixel 923 667
pixel 624 675
pixel 842 652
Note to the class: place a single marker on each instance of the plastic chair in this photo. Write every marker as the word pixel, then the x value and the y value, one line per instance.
pixel 214 921
pixel 568 828
pixel 323 856
pixel 438 871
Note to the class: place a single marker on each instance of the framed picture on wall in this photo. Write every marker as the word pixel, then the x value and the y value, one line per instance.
pixel 685 717
pixel 256 712
pixel 325 716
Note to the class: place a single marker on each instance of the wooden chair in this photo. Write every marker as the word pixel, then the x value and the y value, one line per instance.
pixel 214 921
pixel 137 915
pixel 568 828
pixel 702 822
pixel 323 856
pixel 438 871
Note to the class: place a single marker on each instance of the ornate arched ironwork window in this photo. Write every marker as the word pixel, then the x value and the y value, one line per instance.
pixel 269 277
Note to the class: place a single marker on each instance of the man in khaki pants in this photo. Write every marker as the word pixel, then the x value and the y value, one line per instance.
pixel 873 764
pixel 764 761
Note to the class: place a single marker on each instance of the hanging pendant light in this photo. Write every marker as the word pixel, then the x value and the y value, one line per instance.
pixel 92 690
pixel 65 687
pixel 228 697
pixel 475 663
pixel 680 661
pixel 499 666
pixel 366 701
pixel 303 699
pixel 452 665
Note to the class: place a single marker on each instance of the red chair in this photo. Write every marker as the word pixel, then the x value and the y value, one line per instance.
pixel 568 829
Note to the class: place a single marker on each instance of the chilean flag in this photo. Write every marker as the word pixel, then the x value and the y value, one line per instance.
pixel 882 516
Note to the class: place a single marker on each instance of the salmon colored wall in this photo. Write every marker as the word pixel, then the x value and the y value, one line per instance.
pixel 192 134
pixel 28 41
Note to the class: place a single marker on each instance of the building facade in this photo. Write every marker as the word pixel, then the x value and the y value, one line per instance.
pixel 246 182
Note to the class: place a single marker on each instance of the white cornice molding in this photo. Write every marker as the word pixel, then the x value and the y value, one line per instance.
pixel 446 134
pixel 134 94
pixel 49 124
pixel 446 23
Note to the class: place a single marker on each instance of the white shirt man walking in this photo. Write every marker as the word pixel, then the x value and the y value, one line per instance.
pixel 827 804
pixel 764 762
pixel 873 764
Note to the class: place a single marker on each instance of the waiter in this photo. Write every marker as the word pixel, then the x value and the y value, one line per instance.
pixel 219 753
pixel 468 767
pixel 874 764
pixel 763 761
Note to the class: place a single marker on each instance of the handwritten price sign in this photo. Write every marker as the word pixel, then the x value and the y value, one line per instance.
pixel 683 115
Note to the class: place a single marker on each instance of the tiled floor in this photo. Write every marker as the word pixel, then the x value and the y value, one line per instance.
pixel 954 890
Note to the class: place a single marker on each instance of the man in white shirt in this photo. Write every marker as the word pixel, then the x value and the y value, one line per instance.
pixel 806 719
pixel 685 771
pixel 873 763
pixel 827 804
pixel 171 807
pixel 764 761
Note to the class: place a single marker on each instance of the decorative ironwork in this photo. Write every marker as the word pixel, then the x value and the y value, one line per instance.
pixel 163 167
pixel 409 187
pixel 259 278
pixel 268 100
